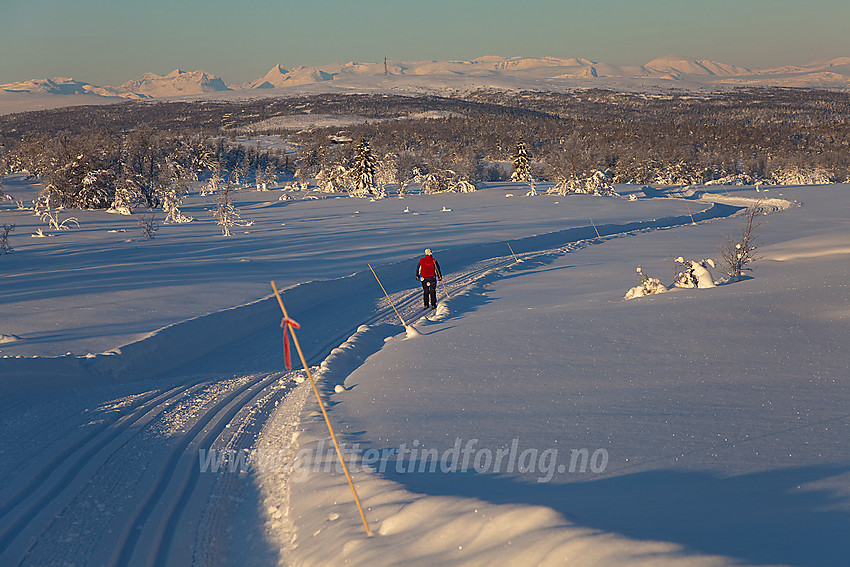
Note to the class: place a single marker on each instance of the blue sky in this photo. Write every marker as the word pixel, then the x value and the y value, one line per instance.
pixel 107 42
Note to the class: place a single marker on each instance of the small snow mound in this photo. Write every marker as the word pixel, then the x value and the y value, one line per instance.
pixel 9 338
pixel 412 332
pixel 649 287
pixel 695 274
pixel 446 209
pixel 339 388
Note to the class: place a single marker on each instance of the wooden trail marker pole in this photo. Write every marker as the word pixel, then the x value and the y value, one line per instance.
pixel 512 252
pixel 324 411
pixel 387 294
pixel 594 228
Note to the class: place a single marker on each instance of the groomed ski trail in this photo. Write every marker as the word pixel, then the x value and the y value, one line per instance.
pixel 127 489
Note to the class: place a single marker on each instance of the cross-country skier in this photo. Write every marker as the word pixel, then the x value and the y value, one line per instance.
pixel 428 271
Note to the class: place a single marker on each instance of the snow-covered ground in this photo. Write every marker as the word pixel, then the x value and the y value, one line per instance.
pixel 569 426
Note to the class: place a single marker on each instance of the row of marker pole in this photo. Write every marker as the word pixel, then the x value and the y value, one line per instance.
pixel 290 326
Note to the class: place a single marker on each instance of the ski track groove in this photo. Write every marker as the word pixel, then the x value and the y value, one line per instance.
pixel 169 522
pixel 47 469
pixel 228 406
pixel 207 548
pixel 71 462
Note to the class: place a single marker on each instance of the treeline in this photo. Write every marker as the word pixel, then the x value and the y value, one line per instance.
pixel 94 155
pixel 143 166
pixel 777 136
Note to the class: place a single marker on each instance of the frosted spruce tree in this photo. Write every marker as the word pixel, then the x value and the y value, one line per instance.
pixel 522 163
pixel 364 168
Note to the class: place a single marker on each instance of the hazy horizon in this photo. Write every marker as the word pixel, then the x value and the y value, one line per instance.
pixel 110 43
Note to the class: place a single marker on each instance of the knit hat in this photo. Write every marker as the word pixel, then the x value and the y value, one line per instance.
pixel 427 251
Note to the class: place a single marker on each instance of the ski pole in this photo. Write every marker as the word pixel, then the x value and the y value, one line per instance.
pixel 324 412
pixel 594 228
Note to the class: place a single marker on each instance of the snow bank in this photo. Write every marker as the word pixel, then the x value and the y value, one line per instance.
pixel 312 516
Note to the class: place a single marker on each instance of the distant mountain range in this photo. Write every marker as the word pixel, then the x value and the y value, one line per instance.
pixel 176 83
pixel 546 73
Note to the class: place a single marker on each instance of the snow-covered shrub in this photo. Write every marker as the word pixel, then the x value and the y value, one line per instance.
pixel 648 286
pixel 5 247
pixel 462 186
pixel 215 181
pixel 333 178
pixel 125 198
pixel 436 181
pixel 171 196
pixel 149 226
pixel 563 186
pixel 49 215
pixel 597 183
pixel 795 175
pixel 226 214
pixel 386 172
pixel 4 197
pixel 693 274
pixel 266 178
pixel 600 183
pixel 739 253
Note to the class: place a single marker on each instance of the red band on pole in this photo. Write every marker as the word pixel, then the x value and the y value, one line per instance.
pixel 285 323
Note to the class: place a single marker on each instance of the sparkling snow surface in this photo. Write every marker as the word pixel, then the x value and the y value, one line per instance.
pixel 715 421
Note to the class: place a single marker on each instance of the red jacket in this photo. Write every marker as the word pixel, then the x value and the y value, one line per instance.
pixel 428 268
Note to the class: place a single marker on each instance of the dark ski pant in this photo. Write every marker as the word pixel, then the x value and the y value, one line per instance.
pixel 429 289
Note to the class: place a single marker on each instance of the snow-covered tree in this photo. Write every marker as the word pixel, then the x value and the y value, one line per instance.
pixel 409 170
pixel 435 181
pixel 173 193
pixel 386 173
pixel 226 214
pixel 4 197
pixel 245 170
pixel 333 178
pixel 563 186
pixel 522 163
pixel 266 177
pixel 461 185
pixel 363 167
pixel 600 183
pixel 215 181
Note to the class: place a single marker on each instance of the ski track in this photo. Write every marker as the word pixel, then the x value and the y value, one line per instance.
pixel 121 493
